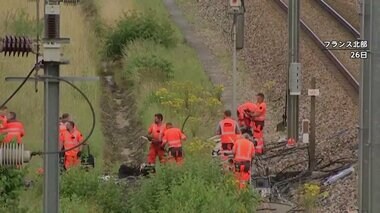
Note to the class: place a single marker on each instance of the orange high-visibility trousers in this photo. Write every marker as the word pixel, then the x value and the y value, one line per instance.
pixel 175 155
pixel 242 173
pixel 70 161
pixel 154 151
pixel 258 134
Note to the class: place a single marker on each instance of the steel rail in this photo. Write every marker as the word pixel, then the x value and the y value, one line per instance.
pixel 339 18
pixel 343 69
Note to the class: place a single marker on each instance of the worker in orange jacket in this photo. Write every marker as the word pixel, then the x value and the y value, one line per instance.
pixel 243 151
pixel 14 129
pixel 228 129
pixel 245 120
pixel 174 137
pixel 69 139
pixel 3 117
pixel 258 123
pixel 156 132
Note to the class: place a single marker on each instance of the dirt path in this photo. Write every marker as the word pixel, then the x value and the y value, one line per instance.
pixel 121 126
pixel 210 63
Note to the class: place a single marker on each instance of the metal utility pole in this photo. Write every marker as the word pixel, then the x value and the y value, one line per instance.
pixel 237 7
pixel 52 59
pixel 234 105
pixel 51 111
pixel 313 92
pixel 294 72
pixel 370 111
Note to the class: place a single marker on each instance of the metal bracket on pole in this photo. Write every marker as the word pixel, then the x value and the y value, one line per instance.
pixel 295 79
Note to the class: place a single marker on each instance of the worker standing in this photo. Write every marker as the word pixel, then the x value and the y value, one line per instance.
pixel 243 151
pixel 258 123
pixel 228 129
pixel 62 121
pixel 14 129
pixel 156 132
pixel 174 137
pixel 69 139
pixel 244 112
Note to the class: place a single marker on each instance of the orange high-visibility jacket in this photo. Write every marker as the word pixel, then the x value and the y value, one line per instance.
pixel 14 130
pixel 262 109
pixel 248 106
pixel 157 131
pixel 69 140
pixel 173 137
pixel 243 149
pixel 228 129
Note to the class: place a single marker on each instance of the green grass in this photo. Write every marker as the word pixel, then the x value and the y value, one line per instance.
pixel 84 58
pixel 183 59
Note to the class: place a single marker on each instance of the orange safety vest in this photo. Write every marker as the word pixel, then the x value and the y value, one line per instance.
pixel 70 140
pixel 243 149
pixel 173 137
pixel 228 129
pixel 262 109
pixel 14 130
pixel 157 131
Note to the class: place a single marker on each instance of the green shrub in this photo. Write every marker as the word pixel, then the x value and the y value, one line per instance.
pixel 137 26
pixel 147 67
pixel 11 183
pixel 196 186
pixel 87 186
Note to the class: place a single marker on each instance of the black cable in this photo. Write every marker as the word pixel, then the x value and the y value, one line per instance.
pixel 20 86
pixel 184 123
pixel 92 112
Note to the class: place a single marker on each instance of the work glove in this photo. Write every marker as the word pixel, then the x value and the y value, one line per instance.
pixel 79 154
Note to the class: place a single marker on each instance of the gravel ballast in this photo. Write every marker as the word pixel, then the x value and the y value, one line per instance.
pixel 263 68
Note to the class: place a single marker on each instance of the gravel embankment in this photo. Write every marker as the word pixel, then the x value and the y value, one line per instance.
pixel 264 63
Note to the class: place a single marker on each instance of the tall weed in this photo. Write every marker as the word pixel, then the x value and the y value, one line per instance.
pixel 20 23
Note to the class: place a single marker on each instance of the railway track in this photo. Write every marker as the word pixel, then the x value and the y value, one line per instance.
pixel 330 55
pixel 339 18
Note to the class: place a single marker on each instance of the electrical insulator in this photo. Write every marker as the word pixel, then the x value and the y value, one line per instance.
pixel 52 20
pixel 16 44
pixel 14 155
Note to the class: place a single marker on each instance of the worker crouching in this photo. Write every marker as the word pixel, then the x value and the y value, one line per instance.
pixel 174 137
pixel 243 151
pixel 68 140
pixel 244 112
pixel 258 123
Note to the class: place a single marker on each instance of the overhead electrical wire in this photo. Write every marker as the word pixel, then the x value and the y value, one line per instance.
pixel 92 113
pixel 20 86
